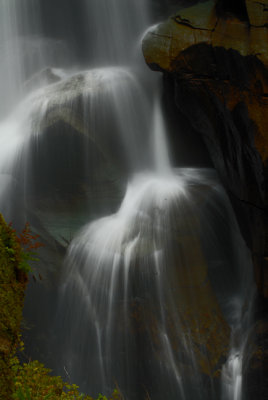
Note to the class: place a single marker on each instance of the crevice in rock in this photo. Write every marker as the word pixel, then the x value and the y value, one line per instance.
pixel 249 203
pixel 259 26
pixel 161 36
pixel 186 22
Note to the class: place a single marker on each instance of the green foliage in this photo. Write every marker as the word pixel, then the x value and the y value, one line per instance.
pixel 19 248
pixel 33 382
pixel 28 243
pixel 12 287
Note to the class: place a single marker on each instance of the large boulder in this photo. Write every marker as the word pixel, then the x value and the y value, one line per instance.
pixel 202 24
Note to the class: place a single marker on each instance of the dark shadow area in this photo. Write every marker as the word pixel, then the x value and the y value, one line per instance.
pixel 237 8
pixel 186 146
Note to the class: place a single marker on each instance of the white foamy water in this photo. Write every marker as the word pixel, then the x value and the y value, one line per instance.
pixel 115 253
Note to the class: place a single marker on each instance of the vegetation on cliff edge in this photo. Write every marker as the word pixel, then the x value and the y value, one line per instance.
pixel 28 381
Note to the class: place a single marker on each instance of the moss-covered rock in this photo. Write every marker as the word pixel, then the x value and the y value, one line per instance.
pixel 12 285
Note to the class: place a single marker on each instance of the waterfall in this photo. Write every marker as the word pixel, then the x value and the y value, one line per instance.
pixel 155 290
pixel 24 51
pixel 114 26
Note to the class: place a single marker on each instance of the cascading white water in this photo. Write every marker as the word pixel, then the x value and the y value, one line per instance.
pixel 137 289
pixel 142 303
pixel 23 50
pixel 160 148
pixel 114 26
pixel 241 322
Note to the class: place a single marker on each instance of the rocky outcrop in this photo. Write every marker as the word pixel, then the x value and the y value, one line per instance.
pixel 86 158
pixel 203 24
pixel 214 57
pixel 72 102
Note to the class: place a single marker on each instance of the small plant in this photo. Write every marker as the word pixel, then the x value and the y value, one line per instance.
pixel 29 243
pixel 101 397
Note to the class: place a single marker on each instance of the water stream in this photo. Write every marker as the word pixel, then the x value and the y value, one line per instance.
pixel 156 297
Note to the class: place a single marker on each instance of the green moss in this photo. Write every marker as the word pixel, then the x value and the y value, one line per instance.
pixel 12 286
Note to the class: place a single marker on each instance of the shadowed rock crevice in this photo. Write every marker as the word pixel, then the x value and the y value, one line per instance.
pixel 230 7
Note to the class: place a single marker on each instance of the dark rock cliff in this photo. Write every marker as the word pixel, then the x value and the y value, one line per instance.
pixel 214 59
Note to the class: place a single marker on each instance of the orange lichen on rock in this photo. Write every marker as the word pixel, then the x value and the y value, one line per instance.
pixel 201 24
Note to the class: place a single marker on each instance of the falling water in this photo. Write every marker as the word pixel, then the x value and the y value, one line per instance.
pixel 114 26
pixel 160 148
pixel 24 51
pixel 153 297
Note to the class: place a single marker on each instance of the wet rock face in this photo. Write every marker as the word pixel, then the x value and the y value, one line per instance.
pixel 221 95
pixel 214 60
pixel 256 375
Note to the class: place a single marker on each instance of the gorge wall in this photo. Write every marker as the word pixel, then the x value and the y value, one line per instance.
pixel 214 59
